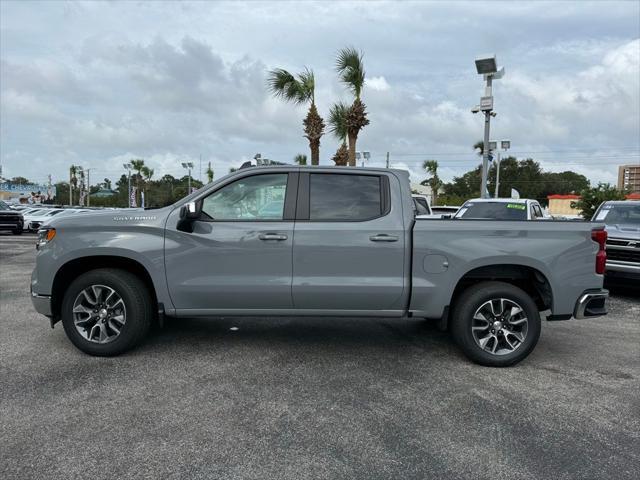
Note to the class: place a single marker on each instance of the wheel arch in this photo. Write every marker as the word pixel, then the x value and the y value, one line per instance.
pixel 530 279
pixel 76 267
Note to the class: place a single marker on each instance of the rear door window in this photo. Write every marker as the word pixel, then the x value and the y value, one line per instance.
pixel 345 197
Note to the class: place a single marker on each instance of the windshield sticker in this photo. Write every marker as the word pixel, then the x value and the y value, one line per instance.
pixel 602 214
pixel 517 206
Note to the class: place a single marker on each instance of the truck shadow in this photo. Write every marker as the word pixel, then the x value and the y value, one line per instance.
pixel 308 332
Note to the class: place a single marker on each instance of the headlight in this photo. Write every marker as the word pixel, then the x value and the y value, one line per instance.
pixel 45 235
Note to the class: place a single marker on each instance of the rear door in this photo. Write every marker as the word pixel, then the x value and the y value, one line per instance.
pixel 349 243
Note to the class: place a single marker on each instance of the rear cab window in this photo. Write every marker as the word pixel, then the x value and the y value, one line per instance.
pixel 493 211
pixel 346 197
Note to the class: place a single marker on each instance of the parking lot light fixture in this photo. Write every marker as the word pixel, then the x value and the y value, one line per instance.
pixel 188 166
pixel 486 64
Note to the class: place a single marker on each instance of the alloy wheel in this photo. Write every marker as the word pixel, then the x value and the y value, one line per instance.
pixel 499 326
pixel 99 314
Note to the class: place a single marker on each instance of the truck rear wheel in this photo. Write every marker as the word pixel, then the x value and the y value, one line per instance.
pixel 106 311
pixel 495 324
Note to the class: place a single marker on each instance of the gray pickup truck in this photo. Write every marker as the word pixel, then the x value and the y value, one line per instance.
pixel 315 241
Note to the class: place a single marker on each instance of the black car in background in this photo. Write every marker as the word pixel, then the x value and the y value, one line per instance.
pixel 10 219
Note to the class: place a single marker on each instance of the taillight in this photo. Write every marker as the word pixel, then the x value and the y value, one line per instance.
pixel 600 237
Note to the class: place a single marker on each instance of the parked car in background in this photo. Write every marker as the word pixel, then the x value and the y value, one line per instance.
pixel 10 219
pixel 315 241
pixel 622 220
pixel 421 203
pixel 422 206
pixel 501 209
pixel 33 220
pixel 444 210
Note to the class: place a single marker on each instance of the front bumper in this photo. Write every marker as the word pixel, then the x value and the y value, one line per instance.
pixel 631 269
pixel 42 304
pixel 592 303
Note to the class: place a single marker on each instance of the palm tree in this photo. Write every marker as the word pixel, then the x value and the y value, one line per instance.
pixel 431 166
pixel 338 126
pixel 210 173
pixel 107 184
pixel 351 70
pixel 300 159
pixel 300 90
pixel 479 146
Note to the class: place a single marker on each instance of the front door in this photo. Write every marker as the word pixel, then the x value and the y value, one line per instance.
pixel 238 255
pixel 349 245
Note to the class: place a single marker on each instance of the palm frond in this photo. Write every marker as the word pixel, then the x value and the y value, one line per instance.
pixel 307 81
pixel 351 69
pixel 338 120
pixel 284 85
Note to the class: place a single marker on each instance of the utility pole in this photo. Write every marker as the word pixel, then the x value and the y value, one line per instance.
pixel 387 159
pixel 70 188
pixel 485 148
pixel 88 187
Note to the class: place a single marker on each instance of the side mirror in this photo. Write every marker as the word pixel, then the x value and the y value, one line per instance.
pixel 190 211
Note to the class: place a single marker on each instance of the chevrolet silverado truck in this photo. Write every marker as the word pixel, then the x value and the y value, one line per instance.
pixel 315 241
pixel 622 220
pixel 10 219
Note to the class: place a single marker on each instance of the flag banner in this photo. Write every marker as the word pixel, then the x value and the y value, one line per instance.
pixel 141 199
pixel 83 194
pixel 132 197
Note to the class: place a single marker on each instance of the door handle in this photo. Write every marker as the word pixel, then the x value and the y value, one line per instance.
pixel 272 236
pixel 383 237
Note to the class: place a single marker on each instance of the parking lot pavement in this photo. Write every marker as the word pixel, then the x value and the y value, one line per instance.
pixel 299 398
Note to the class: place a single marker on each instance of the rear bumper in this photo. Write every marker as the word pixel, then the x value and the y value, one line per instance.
pixel 592 303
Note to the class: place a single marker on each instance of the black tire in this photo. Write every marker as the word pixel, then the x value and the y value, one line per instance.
pixel 462 321
pixel 137 302
pixel 17 231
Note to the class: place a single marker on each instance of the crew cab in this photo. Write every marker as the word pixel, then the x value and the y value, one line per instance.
pixel 501 209
pixel 341 242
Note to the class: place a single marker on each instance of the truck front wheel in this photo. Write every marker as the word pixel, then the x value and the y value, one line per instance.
pixel 495 324
pixel 106 311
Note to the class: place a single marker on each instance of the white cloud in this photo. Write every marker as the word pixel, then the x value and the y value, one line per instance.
pixel 378 83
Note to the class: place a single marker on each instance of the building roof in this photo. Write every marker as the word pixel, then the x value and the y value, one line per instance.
pixel 563 197
pixel 633 196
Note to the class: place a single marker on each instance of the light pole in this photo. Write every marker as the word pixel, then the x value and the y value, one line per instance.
pixel 128 167
pixel 487 67
pixel 506 145
pixel 188 166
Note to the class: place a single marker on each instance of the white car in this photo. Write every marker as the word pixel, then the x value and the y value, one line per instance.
pixel 33 220
pixel 501 209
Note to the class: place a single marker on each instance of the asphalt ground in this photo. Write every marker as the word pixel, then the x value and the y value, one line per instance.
pixel 300 398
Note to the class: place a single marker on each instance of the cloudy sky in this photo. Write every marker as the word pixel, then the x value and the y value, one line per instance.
pixel 96 84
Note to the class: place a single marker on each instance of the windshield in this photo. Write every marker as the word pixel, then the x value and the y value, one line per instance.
pixel 493 211
pixel 614 214
pixel 3 206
